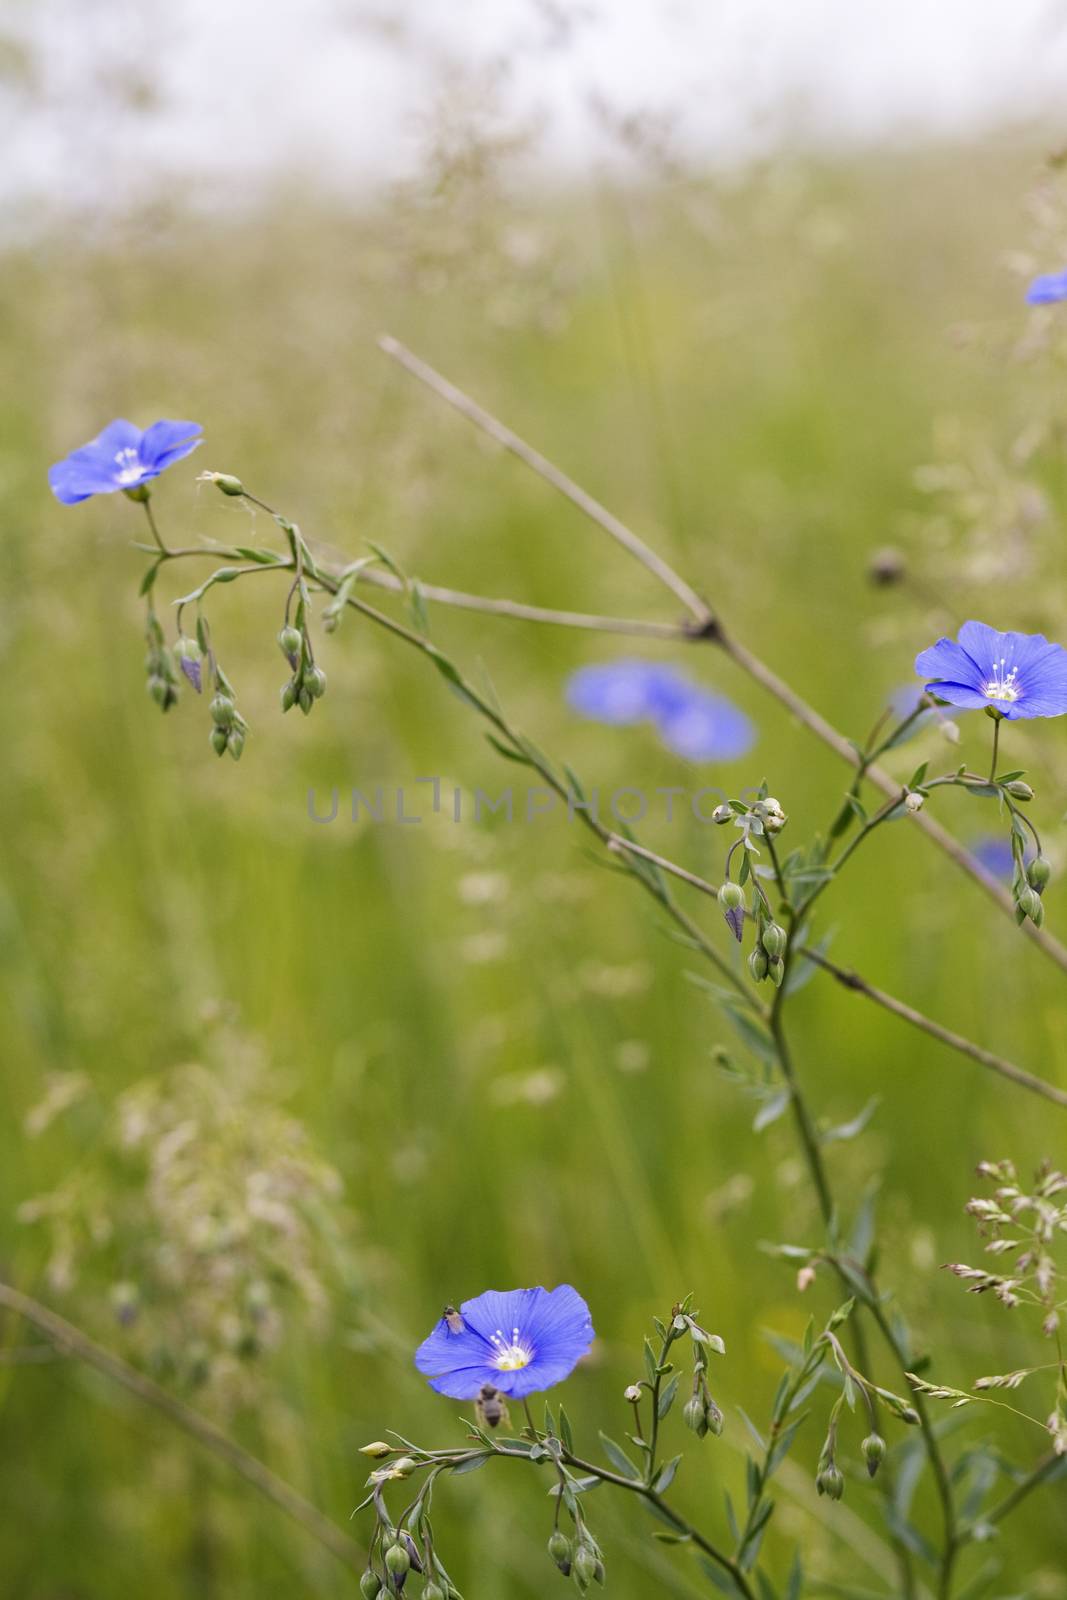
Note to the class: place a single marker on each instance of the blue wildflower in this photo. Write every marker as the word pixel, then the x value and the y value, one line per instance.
pixel 691 721
pixel 995 854
pixel 519 1341
pixel 1047 289
pixel 1018 674
pixel 122 457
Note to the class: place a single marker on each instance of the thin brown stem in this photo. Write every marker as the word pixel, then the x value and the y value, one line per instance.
pixel 545 469
pixel 67 1339
pixel 858 985
pixel 709 627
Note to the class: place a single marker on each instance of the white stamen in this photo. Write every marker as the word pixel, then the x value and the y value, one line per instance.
pixel 510 1357
pixel 129 465
pixel 1003 685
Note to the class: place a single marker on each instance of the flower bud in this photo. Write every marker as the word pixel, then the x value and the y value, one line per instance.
pixel 305 700
pixel 370 1585
pixel 1029 903
pixel 377 1449
pixel 732 897
pixel 722 814
pixel 873 1448
pixel 403 1467
pixel 830 1482
pixel 1019 790
pixel 913 801
pixel 713 1417
pixel 910 1416
pixel 289 694
pixel 315 679
pixel 125 1302
pixel 1038 873
pixel 433 1591
pixel 695 1417
pixel 397 1561
pixel 219 741
pixel 559 1548
pixel 777 971
pixel 290 642
pixel 632 1392
pixel 222 710
pixel 773 939
pixel 585 1565
pixel 188 653
pixel 757 964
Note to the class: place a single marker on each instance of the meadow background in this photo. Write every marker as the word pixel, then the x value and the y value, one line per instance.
pixel 487 1036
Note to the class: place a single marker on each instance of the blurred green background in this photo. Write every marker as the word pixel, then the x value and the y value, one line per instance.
pixel 488 1037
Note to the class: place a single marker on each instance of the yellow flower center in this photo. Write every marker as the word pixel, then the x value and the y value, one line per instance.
pixel 1003 684
pixel 510 1355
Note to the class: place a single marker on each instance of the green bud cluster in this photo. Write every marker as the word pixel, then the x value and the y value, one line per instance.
pixel 308 682
pixel 1029 881
pixel 229 730
pixel 587 1565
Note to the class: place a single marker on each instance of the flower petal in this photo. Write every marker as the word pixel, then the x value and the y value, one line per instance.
pixel 705 728
pixel 166 442
pixel 947 662
pixel 1048 288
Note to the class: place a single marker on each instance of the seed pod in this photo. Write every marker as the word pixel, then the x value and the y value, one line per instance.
pixel 305 700
pixel 290 641
pixel 1038 873
pixel 777 971
pixel 774 939
pixel 370 1585
pixel 873 1448
pixel 219 741
pixel 559 1548
pixel 585 1565
pixel 226 483
pixel 397 1561
pixel 1019 790
pixel 315 680
pixel 694 1415
pixel 222 710
pixel 758 964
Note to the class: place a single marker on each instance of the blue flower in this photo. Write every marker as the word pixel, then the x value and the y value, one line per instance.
pixel 122 457
pixel 1017 674
pixel 1049 288
pixel 520 1341
pixel 995 854
pixel 691 721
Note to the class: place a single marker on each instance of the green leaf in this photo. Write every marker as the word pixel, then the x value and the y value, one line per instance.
pixel 771 1110
pixel 565 1430
pixel 849 1130
pixel 667 1396
pixel 666 1475
pixel 471 1464
pixel 619 1459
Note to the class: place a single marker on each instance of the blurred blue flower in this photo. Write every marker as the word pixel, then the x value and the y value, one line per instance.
pixel 994 853
pixel 122 457
pixel 1047 289
pixel 1018 674
pixel 690 720
pixel 520 1341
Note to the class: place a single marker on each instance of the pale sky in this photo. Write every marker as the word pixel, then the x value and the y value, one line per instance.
pixel 334 88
